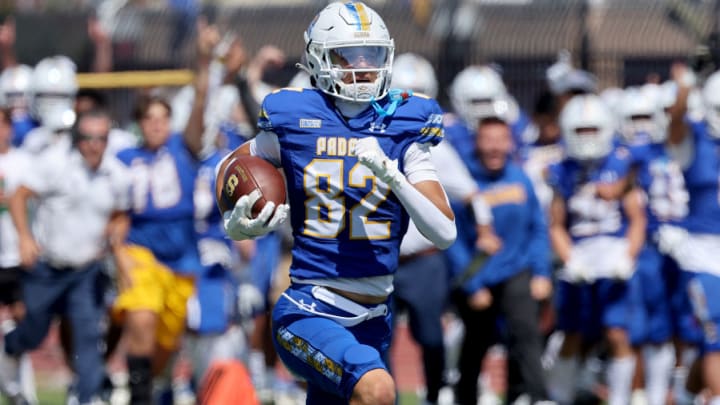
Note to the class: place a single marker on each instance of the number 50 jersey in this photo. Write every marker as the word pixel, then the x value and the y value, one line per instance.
pixel 346 223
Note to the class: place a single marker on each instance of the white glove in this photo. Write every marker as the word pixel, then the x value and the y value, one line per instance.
pixel 575 270
pixel 624 267
pixel 249 300
pixel 369 154
pixel 239 223
pixel 669 238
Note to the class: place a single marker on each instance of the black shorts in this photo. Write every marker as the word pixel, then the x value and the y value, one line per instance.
pixel 10 285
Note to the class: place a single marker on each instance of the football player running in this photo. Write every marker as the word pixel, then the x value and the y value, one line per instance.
pixel 356 159
pixel 421 281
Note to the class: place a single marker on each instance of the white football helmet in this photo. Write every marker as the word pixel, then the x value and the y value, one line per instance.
pixel 711 100
pixel 588 127
pixel 15 87
pixel 478 92
pixel 349 52
pixel 413 72
pixel 53 91
pixel 641 114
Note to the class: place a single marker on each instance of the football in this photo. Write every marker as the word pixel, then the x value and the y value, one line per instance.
pixel 242 174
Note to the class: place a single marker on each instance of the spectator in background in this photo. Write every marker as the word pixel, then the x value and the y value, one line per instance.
pixel 422 278
pixel 161 256
pixel 512 280
pixel 81 199
pixel 13 165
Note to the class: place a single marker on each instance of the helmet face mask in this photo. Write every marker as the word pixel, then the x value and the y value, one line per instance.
pixel 587 127
pixel 642 117
pixel 478 92
pixel 349 52
pixel 53 91
pixel 15 83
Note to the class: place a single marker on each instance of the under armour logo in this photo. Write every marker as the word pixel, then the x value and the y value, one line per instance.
pixel 379 128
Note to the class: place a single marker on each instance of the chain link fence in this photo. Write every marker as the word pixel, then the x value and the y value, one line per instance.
pixel 621 42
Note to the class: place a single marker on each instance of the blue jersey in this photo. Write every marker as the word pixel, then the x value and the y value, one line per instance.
pixel 588 215
pixel 460 137
pixel 162 209
pixel 701 178
pixel 346 223
pixel 659 177
pixel 22 124
pixel 517 219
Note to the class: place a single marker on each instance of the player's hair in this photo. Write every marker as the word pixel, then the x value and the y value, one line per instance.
pixel 99 100
pixel 92 113
pixel 144 104
pixel 492 121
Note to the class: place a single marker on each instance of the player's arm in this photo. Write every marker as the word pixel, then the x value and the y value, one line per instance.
pixel 559 236
pixel 208 37
pixel 634 208
pixel 17 205
pixel 420 192
pixel 459 185
pixel 102 43
pixel 116 233
pixel 684 78
pixel 238 223
pixel 7 43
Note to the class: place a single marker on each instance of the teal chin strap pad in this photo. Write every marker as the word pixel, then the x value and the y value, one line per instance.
pixel 397 96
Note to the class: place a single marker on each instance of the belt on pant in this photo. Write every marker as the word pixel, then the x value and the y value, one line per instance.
pixel 361 313
pixel 422 253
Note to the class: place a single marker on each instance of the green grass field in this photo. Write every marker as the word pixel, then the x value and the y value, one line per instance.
pixel 57 397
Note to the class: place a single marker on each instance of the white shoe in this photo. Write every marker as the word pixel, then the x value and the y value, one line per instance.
pixel 446 396
pixel 489 398
pixel 638 397
pixel 9 369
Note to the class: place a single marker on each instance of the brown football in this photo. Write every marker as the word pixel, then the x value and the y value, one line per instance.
pixel 244 173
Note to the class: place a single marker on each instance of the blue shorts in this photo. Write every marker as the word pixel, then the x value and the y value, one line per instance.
pixel 329 356
pixel 588 309
pixel 706 307
pixel 650 298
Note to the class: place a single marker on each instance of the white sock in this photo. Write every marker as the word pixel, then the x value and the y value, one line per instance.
pixel 619 376
pixel 561 379
pixel 27 379
pixel 638 397
pixel 681 396
pixel 659 362
pixel 257 369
